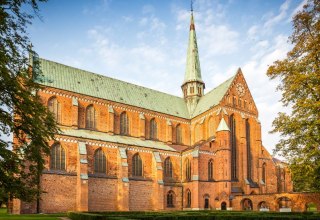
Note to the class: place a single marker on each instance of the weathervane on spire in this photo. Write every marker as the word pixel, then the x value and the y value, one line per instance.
pixel 191 6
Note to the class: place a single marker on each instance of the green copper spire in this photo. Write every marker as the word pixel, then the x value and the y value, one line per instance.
pixel 193 72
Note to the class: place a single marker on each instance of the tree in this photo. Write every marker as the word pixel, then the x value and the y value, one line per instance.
pixel 21 112
pixel 299 75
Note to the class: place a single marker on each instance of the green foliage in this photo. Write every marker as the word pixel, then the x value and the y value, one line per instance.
pixel 21 111
pixel 191 215
pixel 299 74
pixel 5 216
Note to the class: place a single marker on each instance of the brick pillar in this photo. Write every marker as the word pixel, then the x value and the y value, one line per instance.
pixel 169 132
pixel 195 197
pixel 75 112
pixel 82 178
pixel 142 126
pixel 111 121
pixel 158 190
pixel 123 180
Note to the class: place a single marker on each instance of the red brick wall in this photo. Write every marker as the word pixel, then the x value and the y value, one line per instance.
pixel 60 193
pixel 140 195
pixel 102 194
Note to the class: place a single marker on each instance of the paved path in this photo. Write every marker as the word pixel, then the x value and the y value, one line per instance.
pixel 65 218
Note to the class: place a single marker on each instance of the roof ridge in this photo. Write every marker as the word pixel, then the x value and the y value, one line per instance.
pixel 110 77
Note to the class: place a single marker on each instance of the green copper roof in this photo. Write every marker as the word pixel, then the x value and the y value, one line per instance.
pixel 193 71
pixel 76 80
pixel 212 98
pixel 101 136
pixel 223 126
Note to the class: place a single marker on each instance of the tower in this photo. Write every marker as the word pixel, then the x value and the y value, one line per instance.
pixel 192 86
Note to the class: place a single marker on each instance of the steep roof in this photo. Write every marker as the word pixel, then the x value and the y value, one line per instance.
pixel 68 78
pixel 213 97
pixel 83 82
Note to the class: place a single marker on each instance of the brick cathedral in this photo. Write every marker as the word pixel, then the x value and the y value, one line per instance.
pixel 126 147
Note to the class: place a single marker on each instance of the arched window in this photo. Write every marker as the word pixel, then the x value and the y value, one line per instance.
pixel 232 123
pixel 188 198
pixel 211 127
pixel 249 157
pixel 136 165
pixel 170 199
pixel 210 170
pixel 168 168
pixel 54 108
pixel 124 124
pixel 57 157
pixel 153 129
pixel 264 173
pixel 188 169
pixel 90 117
pixel 178 134
pixel 197 133
pixel 99 162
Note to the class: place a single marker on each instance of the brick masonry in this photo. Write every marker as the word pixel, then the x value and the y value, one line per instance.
pixel 117 189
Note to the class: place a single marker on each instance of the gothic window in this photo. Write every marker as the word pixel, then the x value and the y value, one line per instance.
pixel 191 90
pixel 240 102
pixel 185 92
pixel 178 134
pixel 264 173
pixel 210 170
pixel 249 157
pixel 188 198
pixel 234 101
pixel 153 129
pixel 136 165
pixel 211 127
pixel 54 108
pixel 57 157
pixel 188 169
pixel 245 104
pixel 124 124
pixel 168 168
pixel 170 199
pixel 199 90
pixel 90 117
pixel 232 123
pixel 99 162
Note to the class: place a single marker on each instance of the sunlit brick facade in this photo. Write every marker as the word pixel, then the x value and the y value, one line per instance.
pixel 134 148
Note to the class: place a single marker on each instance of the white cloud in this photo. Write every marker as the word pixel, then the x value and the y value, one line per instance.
pixel 281 16
pixel 297 9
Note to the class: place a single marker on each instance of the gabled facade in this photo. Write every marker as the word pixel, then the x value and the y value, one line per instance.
pixel 126 147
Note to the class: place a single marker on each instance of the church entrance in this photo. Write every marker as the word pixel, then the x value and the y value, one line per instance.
pixel 224 206
pixel 206 203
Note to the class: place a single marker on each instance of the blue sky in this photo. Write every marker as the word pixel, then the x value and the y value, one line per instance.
pixel 145 42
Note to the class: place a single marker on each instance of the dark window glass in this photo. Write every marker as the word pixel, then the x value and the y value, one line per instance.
pixel 99 162
pixel 232 122
pixel 136 165
pixel 153 129
pixel 57 157
pixel 188 198
pixel 168 172
pixel 124 124
pixel 188 169
pixel 170 199
pixel 90 117
pixel 210 170
pixel 54 107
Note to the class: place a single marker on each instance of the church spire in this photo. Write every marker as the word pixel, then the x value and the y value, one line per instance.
pixel 193 71
pixel 193 85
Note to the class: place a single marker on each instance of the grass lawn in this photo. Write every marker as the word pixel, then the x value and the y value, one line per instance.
pixel 5 216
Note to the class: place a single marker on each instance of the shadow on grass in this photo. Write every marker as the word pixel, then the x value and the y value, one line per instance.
pixel 5 216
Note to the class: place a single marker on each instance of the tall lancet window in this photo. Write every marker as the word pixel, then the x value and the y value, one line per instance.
pixel 124 124
pixel 54 108
pixel 153 129
pixel 233 141
pixel 264 173
pixel 90 117
pixel 249 156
